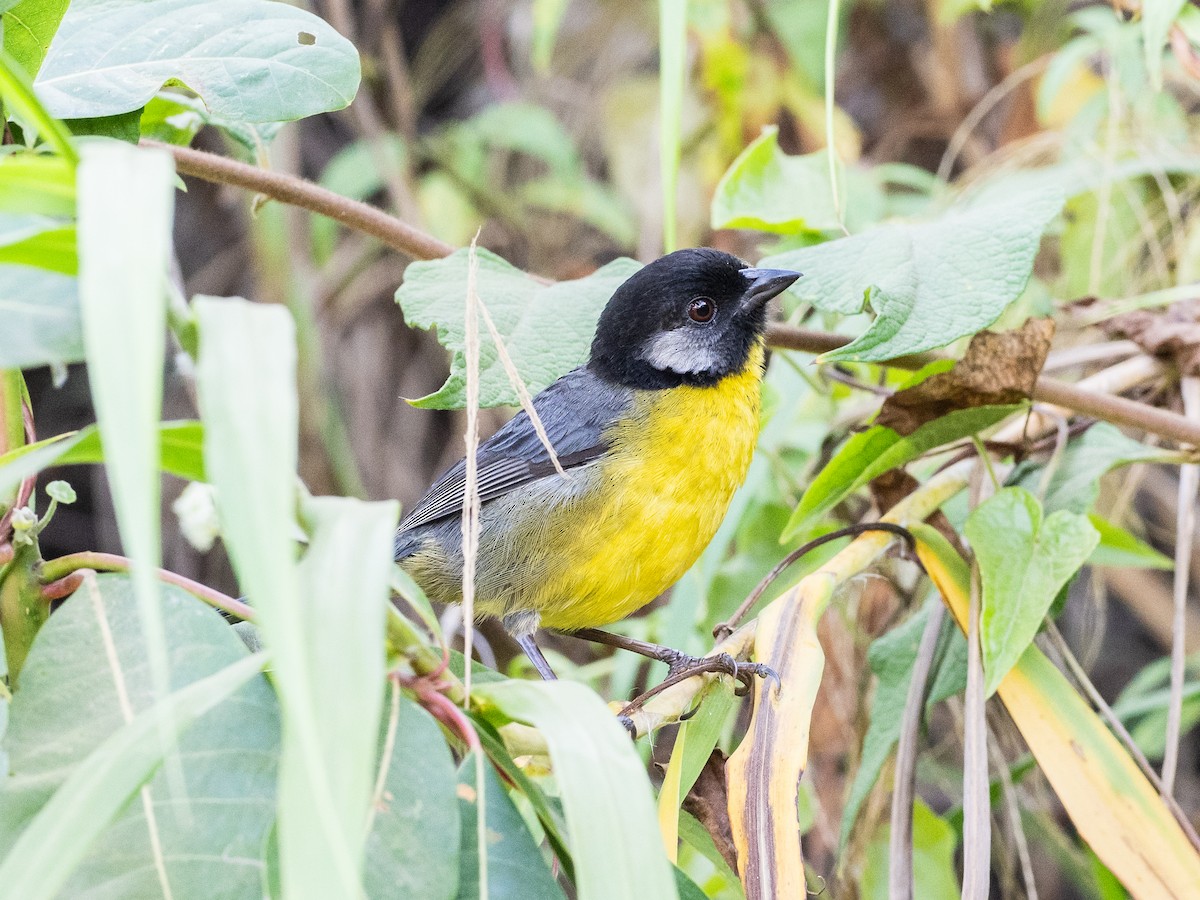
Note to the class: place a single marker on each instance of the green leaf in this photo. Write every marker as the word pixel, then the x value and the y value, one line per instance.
pixel 1157 18
pixel 412 850
pixel 23 106
pixel 547 329
pixel 1119 547
pixel 61 491
pixel 615 841
pixel 515 867
pixel 40 310
pixel 768 190
pixel 1075 483
pixel 52 249
pixel 892 657
pixel 81 746
pixel 126 209
pixel 28 28
pixel 868 454
pixel 1023 563
pixel 250 60
pixel 125 127
pixel 929 283
pixel 179 444
pixel 934 843
pixel 250 451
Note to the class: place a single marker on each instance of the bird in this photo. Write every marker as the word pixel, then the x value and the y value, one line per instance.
pixel 654 433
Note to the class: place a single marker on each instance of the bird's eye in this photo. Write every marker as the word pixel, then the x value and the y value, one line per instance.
pixel 701 310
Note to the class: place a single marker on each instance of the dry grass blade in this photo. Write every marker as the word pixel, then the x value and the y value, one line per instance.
pixel 1185 529
pixel 470 511
pixel 1111 803
pixel 977 812
pixel 900 857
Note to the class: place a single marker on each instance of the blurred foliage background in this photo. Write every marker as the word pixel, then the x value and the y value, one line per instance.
pixel 536 123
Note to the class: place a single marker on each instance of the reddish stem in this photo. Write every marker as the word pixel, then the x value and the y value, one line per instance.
pixel 56 571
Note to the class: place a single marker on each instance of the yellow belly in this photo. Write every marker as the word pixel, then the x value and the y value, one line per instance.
pixel 667 482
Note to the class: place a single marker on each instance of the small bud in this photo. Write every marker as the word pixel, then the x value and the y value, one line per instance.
pixel 24 519
pixel 61 491
pixel 196 510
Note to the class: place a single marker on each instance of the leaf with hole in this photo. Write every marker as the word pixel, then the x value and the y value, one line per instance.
pixel 250 61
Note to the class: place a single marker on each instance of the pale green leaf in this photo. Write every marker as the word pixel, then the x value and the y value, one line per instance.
pixel 1023 563
pixel 547 329
pixel 606 796
pixel 38 184
pixel 78 757
pixel 547 19
pixel 1157 18
pixel 412 850
pixel 1075 483
pixel 250 60
pixel 928 283
pixel 40 311
pixel 126 209
pixel 51 248
pixel 250 452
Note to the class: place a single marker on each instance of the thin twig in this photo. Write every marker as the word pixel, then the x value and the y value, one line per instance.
pixel 57 569
pixel 1013 806
pixel 1185 528
pixel 900 865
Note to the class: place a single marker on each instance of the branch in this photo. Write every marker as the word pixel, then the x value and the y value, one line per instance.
pixel 57 582
pixel 417 244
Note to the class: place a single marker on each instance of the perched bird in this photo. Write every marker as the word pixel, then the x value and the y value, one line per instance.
pixel 655 434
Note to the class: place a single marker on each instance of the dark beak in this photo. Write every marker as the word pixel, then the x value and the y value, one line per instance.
pixel 765 284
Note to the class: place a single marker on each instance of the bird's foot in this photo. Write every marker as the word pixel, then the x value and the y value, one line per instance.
pixel 683 665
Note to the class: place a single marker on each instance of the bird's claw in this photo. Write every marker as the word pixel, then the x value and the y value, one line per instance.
pixel 742 672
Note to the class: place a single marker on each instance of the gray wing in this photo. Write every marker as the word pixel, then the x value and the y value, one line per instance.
pixel 575 411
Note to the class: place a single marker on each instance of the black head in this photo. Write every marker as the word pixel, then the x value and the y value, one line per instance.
pixel 691 317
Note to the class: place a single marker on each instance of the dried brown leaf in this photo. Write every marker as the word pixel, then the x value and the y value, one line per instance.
pixel 1173 332
pixel 999 368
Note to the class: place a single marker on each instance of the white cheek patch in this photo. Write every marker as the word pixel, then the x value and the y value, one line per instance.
pixel 678 351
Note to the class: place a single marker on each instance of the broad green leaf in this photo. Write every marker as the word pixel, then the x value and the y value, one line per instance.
pixel 179 444
pixel 768 190
pixel 870 453
pixel 126 209
pixel 1023 563
pixel 250 60
pixel 250 452
pixel 40 311
pixel 892 657
pixel 85 735
pixel 928 283
pixel 1119 547
pixel 606 796
pixel 1157 18
pixel 515 867
pixel 547 329
pixel 52 249
pixel 1075 483
pixel 38 184
pixel 934 843
pixel 28 28
pixel 412 850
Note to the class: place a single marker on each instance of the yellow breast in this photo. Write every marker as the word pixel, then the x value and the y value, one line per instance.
pixel 664 488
